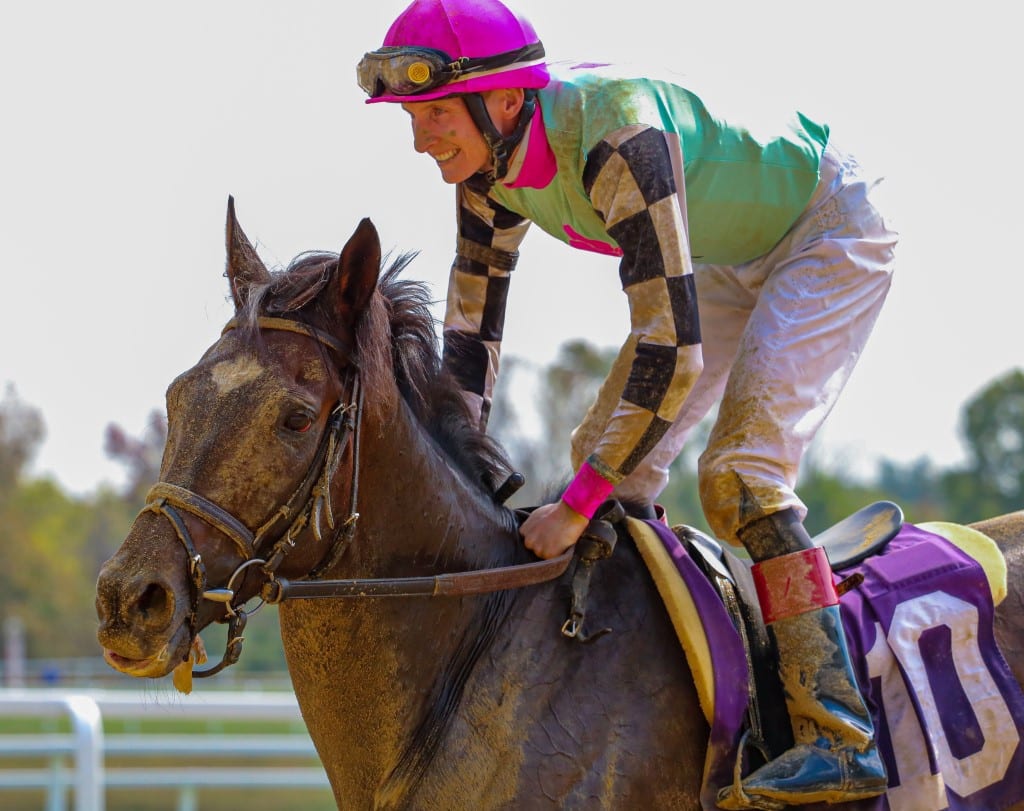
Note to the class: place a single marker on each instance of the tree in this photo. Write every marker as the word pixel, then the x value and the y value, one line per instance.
pixel 42 583
pixel 993 425
pixel 21 431
pixel 830 496
pixel 140 456
pixel 917 487
pixel 563 393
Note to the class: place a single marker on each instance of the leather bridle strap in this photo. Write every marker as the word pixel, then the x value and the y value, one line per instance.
pixel 217 517
pixel 308 502
pixel 343 348
pixel 454 584
pixel 196 569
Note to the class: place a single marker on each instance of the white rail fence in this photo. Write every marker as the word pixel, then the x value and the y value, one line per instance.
pixel 75 760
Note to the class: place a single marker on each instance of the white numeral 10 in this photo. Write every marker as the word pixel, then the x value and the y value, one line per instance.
pixel 919 789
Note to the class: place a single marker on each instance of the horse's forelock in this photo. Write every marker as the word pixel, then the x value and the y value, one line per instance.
pixel 287 290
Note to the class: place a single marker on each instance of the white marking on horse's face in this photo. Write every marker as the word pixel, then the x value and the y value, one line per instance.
pixel 228 375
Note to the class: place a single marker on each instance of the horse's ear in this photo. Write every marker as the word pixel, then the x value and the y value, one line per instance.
pixel 359 267
pixel 244 266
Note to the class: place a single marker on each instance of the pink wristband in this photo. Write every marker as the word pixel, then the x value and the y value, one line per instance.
pixel 793 584
pixel 587 491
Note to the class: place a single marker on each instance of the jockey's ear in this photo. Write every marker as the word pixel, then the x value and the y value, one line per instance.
pixel 504 107
pixel 358 268
pixel 244 266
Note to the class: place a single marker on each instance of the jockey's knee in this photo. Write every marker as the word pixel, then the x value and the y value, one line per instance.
pixel 723 477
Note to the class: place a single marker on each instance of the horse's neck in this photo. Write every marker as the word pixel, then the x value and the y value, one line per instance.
pixel 423 507
pixel 402 656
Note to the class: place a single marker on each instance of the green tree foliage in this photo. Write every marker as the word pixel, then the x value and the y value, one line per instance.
pixel 51 589
pixel 917 486
pixel 993 426
pixel 21 431
pixel 830 497
pixel 42 533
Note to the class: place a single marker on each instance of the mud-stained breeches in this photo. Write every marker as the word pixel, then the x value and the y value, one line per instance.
pixel 781 335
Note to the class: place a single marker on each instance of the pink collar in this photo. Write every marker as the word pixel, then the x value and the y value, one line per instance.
pixel 538 166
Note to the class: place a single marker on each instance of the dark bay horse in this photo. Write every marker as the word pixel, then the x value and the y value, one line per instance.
pixel 324 399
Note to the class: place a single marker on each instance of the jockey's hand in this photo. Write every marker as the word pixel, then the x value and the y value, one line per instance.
pixel 552 528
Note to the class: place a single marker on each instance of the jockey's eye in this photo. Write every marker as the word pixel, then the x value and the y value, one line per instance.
pixel 298 421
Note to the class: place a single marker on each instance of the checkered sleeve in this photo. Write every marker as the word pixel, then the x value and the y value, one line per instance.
pixel 486 253
pixel 631 183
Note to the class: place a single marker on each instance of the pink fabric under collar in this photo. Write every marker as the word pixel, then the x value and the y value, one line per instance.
pixel 538 168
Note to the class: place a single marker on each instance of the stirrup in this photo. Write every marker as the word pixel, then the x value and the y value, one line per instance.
pixel 733 797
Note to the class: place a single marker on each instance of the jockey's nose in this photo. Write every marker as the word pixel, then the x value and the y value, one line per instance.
pixel 421 138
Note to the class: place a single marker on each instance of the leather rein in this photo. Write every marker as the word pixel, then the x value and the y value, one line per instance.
pixel 307 507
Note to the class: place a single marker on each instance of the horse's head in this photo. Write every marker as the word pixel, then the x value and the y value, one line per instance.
pixel 256 430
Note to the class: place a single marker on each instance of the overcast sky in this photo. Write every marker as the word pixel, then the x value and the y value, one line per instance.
pixel 124 126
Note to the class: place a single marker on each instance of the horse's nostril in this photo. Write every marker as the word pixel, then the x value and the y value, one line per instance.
pixel 153 600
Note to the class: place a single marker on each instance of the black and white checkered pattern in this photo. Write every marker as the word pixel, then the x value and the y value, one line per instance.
pixel 629 179
pixel 477 294
pixel 630 182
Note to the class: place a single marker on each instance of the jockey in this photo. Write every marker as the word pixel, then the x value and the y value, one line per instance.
pixel 768 233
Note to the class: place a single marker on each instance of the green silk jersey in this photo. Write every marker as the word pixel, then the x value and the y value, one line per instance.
pixel 746 182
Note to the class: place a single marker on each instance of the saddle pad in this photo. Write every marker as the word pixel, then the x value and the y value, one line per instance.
pixel 980 547
pixel 719 669
pixel 661 560
pixel 949 715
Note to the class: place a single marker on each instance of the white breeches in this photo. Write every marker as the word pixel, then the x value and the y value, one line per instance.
pixel 781 335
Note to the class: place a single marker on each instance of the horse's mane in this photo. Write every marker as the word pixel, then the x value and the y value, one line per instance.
pixel 396 336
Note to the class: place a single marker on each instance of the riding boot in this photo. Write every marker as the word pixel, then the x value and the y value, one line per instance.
pixel 834 758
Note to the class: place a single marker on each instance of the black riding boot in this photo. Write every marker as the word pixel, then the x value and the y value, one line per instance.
pixel 834 758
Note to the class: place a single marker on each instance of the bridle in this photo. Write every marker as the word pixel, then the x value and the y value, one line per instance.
pixel 307 507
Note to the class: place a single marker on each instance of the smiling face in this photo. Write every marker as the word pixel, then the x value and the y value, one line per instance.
pixel 444 129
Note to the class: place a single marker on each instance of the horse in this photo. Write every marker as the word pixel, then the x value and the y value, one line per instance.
pixel 326 393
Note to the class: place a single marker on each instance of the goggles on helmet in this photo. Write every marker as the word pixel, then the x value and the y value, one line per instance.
pixel 408 70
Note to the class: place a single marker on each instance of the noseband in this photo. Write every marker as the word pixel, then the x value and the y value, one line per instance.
pixel 308 506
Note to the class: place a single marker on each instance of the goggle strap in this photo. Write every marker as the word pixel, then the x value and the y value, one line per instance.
pixel 528 55
pixel 476 73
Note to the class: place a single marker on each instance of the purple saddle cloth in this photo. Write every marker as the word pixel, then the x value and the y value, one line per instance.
pixel 949 715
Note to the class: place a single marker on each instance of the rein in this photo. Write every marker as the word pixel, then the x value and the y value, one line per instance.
pixel 454 584
pixel 307 506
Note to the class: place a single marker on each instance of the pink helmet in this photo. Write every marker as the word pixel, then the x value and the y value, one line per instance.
pixel 440 47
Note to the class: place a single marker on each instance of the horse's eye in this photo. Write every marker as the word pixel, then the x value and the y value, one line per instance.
pixel 298 421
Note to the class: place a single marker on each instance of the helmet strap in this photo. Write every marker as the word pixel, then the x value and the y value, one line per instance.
pixel 501 146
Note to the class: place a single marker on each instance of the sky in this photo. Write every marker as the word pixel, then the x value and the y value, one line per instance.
pixel 124 126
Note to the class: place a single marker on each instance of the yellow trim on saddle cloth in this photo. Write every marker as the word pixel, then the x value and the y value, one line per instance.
pixel 689 626
pixel 980 547
pixel 681 610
